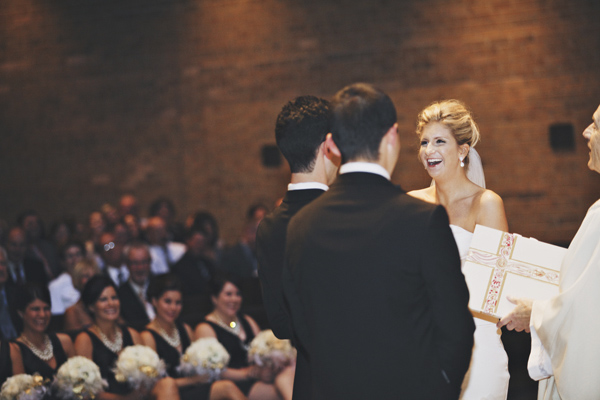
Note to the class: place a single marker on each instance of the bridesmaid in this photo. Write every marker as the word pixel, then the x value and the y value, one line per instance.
pixel 235 331
pixel 170 338
pixel 103 342
pixel 38 351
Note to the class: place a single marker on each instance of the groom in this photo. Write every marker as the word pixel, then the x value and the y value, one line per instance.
pixel 372 276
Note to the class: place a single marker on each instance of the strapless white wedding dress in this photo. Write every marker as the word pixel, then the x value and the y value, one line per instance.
pixel 487 377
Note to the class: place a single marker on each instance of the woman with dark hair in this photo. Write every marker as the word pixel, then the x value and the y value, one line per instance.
pixel 38 351
pixel 235 332
pixel 170 338
pixel 103 342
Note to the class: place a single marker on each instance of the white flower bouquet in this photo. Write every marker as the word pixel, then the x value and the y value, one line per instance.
pixel 266 350
pixel 23 387
pixel 78 379
pixel 140 366
pixel 206 356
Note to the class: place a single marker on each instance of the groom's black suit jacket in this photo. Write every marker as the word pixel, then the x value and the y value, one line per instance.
pixel 377 298
pixel 270 248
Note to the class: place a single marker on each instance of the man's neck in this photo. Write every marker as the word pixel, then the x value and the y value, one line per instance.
pixel 308 177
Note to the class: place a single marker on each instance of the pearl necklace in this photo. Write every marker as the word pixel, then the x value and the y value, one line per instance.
pixel 114 346
pixel 234 326
pixel 46 354
pixel 174 340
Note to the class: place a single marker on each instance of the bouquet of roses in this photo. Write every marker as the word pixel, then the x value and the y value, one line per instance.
pixel 23 387
pixel 78 379
pixel 266 350
pixel 206 356
pixel 140 366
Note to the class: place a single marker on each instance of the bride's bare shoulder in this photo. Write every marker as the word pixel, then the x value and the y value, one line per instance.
pixel 426 194
pixel 491 211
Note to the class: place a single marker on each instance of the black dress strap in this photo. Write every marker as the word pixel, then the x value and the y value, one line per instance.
pixel 33 363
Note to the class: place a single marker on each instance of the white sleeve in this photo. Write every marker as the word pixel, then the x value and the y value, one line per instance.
pixel 539 364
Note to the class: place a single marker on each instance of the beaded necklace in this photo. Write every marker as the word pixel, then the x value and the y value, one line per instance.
pixel 46 354
pixel 116 345
pixel 174 340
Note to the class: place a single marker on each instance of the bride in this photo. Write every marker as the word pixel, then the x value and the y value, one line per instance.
pixel 448 136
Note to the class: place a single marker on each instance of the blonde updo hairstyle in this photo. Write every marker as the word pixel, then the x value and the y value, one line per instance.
pixel 455 116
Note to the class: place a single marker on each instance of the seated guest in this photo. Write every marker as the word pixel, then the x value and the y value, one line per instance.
pixel 164 208
pixel 170 338
pixel 194 272
pixel 111 253
pixel 76 317
pixel 103 342
pixel 8 330
pixel 164 252
pixel 235 331
pixel 37 246
pixel 135 309
pixel 22 269
pixel 37 350
pixel 214 245
pixel 62 291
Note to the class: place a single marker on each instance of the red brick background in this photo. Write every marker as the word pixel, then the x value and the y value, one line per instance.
pixel 177 97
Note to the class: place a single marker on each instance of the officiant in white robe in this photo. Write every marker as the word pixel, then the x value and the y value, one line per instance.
pixel 565 354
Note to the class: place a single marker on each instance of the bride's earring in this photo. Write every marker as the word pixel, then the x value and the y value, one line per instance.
pixel 462 163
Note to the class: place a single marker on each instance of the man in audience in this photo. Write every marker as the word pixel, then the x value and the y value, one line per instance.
pixel 195 273
pixel 135 308
pixel 8 330
pixel 22 269
pixel 372 276
pixel 37 246
pixel 300 132
pixel 164 253
pixel 111 252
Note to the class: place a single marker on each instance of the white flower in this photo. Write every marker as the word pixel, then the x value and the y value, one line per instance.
pixel 78 378
pixel 139 366
pixel 23 387
pixel 206 356
pixel 266 350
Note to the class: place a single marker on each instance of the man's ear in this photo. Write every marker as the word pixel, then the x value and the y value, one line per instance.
pixel 331 150
pixel 392 136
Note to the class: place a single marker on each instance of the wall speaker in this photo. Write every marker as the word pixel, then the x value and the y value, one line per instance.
pixel 271 156
pixel 562 137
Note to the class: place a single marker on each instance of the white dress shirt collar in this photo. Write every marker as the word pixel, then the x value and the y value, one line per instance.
pixel 307 185
pixel 360 166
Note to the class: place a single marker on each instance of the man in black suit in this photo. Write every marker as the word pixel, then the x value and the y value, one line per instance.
pixel 300 132
pixel 22 269
pixel 195 272
pixel 8 328
pixel 135 308
pixel 372 276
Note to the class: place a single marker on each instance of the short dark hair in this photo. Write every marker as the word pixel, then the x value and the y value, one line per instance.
pixel 162 283
pixel 94 288
pixel 219 280
pixel 361 116
pixel 31 291
pixel 156 205
pixel 71 243
pixel 301 127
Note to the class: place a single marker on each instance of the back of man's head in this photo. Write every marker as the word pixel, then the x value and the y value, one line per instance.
pixel 301 127
pixel 361 116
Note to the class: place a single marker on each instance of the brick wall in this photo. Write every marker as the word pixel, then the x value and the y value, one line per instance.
pixel 157 97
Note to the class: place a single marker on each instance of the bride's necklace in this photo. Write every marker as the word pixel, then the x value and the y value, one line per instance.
pixel 233 326
pixel 115 345
pixel 174 340
pixel 46 354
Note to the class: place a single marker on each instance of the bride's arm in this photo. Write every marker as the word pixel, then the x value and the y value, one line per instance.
pixel 491 211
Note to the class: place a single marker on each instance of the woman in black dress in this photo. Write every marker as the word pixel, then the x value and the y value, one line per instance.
pixel 36 350
pixel 103 342
pixel 170 338
pixel 235 332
